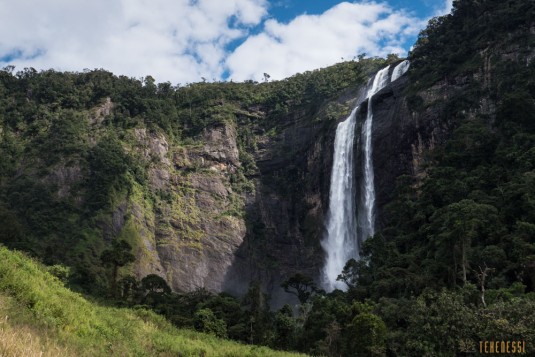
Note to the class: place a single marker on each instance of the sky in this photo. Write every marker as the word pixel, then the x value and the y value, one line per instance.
pixel 185 41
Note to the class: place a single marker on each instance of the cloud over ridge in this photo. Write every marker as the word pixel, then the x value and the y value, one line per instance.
pixel 312 41
pixel 183 40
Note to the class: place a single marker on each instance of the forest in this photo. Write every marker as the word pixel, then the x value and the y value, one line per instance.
pixel 453 265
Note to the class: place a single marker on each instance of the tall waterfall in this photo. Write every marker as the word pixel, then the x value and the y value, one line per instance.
pixel 367 206
pixel 341 243
pixel 348 224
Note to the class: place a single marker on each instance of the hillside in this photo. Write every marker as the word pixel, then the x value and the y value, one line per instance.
pixel 39 315
pixel 457 243
pixel 191 177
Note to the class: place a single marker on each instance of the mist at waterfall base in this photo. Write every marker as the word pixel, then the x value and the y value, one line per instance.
pixel 350 221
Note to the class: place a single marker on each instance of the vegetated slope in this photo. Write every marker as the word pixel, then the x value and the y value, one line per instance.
pixel 88 158
pixel 471 205
pixel 206 183
pixel 40 315
pixel 457 245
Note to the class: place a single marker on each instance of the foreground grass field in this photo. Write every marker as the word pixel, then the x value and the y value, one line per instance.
pixel 40 317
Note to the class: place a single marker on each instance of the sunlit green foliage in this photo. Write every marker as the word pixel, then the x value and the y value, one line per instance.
pixel 60 319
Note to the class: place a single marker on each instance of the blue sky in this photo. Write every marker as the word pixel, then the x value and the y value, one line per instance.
pixel 285 10
pixel 183 40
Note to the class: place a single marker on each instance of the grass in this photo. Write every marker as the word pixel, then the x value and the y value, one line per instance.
pixel 17 339
pixel 40 317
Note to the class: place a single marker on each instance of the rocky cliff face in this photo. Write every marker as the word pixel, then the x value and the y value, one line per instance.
pixel 204 233
pixel 280 223
pixel 401 138
pixel 285 213
pixel 191 234
pixel 242 195
pixel 205 230
pixel 214 185
pixel 408 125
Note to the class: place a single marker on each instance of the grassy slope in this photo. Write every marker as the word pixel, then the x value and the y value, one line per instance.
pixel 39 316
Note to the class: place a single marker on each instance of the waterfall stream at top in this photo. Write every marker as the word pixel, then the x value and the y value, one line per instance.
pixel 347 215
pixel 366 210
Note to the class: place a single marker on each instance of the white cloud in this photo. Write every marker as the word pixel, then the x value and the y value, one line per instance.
pixel 446 9
pixel 175 40
pixel 312 41
pixel 183 40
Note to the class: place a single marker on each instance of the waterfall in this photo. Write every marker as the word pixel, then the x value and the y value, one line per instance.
pixel 367 202
pixel 344 219
pixel 400 70
pixel 341 243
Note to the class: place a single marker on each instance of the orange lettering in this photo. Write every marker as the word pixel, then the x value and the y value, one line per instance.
pixel 486 346
pixel 508 348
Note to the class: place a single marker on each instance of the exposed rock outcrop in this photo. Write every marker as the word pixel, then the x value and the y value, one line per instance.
pixel 194 232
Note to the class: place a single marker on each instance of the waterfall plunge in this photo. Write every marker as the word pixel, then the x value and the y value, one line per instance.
pixel 367 202
pixel 341 242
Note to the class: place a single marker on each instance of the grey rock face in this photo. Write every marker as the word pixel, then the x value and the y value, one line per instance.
pixel 191 238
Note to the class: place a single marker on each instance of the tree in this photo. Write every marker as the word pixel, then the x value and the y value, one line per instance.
pixel 255 303
pixel 155 284
pixel 481 277
pixel 118 256
pixel 11 231
pixel 155 289
pixel 349 274
pixel 285 327
pixel 439 321
pixel 206 321
pixel 367 335
pixel 392 57
pixel 304 287
pixel 128 286
pixel 108 164
pixel 459 224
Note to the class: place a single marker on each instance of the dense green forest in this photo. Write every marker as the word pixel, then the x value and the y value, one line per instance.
pixel 453 265
pixel 455 262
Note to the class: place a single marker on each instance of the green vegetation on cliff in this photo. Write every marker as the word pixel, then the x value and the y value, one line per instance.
pixel 92 161
pixel 90 157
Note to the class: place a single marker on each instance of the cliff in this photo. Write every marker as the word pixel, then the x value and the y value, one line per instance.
pixel 214 185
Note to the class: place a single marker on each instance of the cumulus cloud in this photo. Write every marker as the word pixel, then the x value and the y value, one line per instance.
pixel 446 9
pixel 175 40
pixel 183 40
pixel 312 41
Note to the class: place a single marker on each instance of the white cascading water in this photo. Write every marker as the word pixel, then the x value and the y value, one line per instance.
pixel 341 242
pixel 400 70
pixel 366 211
